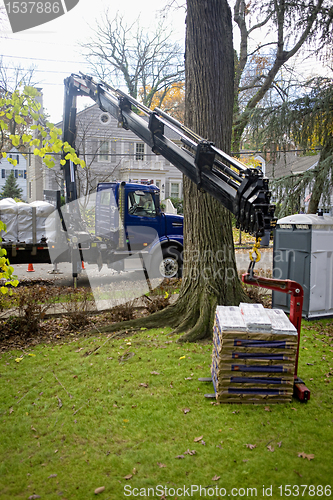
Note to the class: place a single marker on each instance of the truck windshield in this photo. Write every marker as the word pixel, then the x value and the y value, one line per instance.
pixel 141 204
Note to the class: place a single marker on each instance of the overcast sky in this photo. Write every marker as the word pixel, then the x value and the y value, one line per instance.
pixel 53 47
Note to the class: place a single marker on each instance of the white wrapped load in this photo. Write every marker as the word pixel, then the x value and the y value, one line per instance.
pixel 24 223
pixel 255 317
pixel 280 322
pixel 8 215
pixel 230 319
pixel 45 227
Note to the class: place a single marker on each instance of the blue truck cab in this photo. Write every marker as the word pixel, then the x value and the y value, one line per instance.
pixel 129 220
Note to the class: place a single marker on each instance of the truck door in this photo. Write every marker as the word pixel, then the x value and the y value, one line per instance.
pixel 143 222
pixel 107 220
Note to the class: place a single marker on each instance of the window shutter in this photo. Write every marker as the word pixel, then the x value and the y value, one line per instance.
pixel 16 174
pixel 25 174
pixel 114 151
pixel 131 150
pixel 3 173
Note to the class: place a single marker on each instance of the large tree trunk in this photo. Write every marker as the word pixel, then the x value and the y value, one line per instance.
pixel 210 275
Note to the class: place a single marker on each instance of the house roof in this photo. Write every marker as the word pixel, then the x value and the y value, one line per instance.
pixel 288 163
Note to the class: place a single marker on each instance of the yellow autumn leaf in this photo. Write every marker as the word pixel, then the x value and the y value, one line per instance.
pixel 18 360
pixel 182 357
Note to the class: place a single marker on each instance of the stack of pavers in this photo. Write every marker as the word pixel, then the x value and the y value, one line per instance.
pixel 254 354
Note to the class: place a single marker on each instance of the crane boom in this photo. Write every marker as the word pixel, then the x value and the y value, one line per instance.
pixel 243 191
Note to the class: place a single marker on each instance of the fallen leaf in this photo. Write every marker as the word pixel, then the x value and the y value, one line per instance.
pixel 129 476
pixel 180 456
pixel 251 446
pixel 245 460
pixel 189 452
pixel 197 439
pixel 309 456
pixel 154 373
pixel 294 409
pixel 55 451
pixel 279 444
pixel 203 442
pixel 216 478
pixel 59 402
pixel 17 361
pixel 33 429
pixel 29 354
pixel 161 465
pixel 33 497
pixel 99 490
pixel 270 448
pixel 143 385
pixel 186 410
pixel 267 408
pixel 52 475
pixel 181 357
pixel 298 473
pixel 188 378
pixel 134 471
pixel 11 410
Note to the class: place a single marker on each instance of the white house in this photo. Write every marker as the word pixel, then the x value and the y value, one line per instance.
pixel 20 170
pixel 113 153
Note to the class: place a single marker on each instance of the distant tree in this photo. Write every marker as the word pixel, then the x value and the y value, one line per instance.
pixel 130 55
pixel 171 100
pixel 11 189
pixel 283 29
pixel 307 122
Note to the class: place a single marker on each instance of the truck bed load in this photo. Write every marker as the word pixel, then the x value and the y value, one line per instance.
pixel 27 223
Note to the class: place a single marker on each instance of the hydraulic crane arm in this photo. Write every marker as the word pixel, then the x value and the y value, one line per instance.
pixel 243 191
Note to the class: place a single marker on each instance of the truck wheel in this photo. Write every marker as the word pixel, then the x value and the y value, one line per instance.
pixel 171 265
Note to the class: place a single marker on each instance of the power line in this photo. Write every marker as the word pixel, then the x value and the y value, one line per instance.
pixel 40 59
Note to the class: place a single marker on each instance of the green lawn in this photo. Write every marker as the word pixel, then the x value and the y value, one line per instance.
pixel 104 412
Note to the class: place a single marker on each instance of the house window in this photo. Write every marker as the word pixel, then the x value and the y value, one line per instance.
pixel 8 172
pixel 20 174
pixel 174 190
pixel 157 184
pixel 139 151
pixel 103 150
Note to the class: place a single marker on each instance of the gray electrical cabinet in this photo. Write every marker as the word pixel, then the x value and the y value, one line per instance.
pixel 303 252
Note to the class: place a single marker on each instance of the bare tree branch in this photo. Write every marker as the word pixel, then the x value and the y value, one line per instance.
pixel 122 54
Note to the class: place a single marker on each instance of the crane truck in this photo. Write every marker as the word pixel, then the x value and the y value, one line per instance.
pixel 122 226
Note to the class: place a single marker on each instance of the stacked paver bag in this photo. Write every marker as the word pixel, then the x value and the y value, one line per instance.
pixel 254 354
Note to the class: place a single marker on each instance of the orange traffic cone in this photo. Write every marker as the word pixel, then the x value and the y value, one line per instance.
pixel 30 268
pixel 83 265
